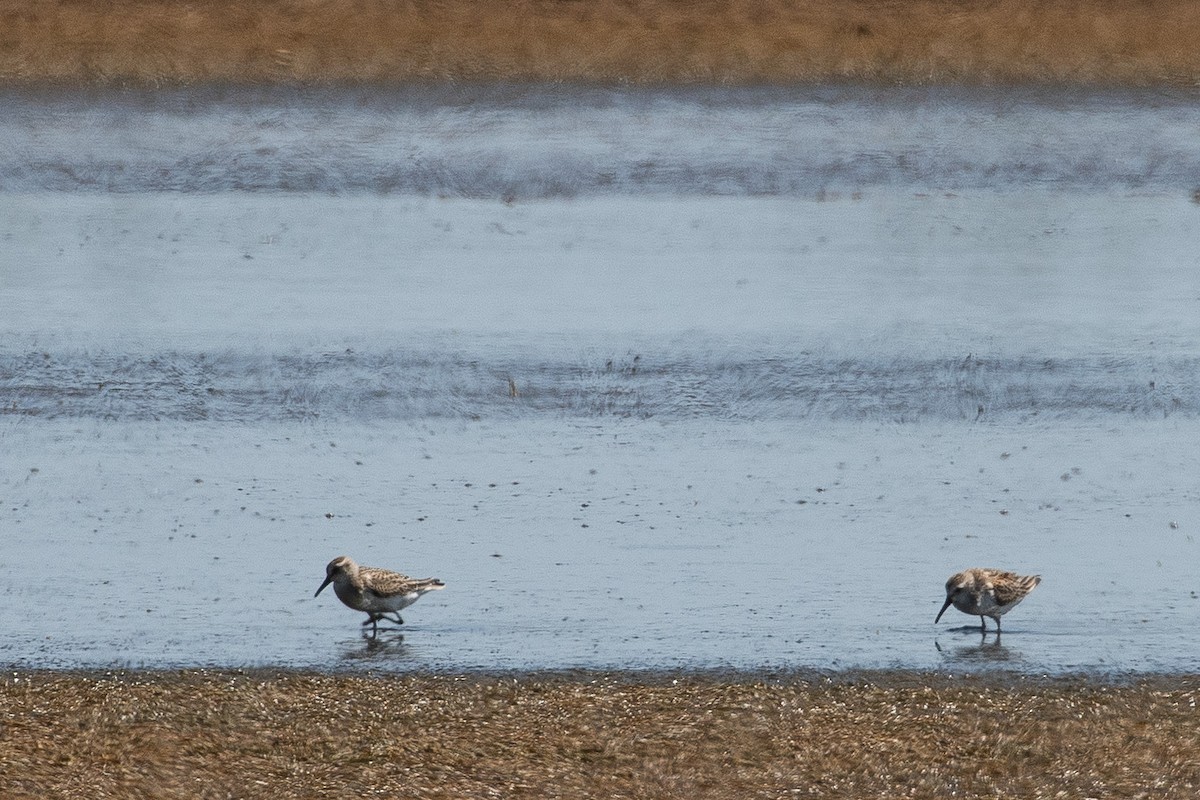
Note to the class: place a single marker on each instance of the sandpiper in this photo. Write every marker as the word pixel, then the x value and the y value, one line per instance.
pixel 987 593
pixel 375 591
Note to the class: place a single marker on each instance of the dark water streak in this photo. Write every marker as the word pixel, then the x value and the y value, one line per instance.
pixel 238 386
pixel 538 141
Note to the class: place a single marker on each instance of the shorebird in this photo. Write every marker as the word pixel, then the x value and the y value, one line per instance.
pixel 987 593
pixel 375 591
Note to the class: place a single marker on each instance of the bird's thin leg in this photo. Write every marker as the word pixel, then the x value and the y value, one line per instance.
pixel 997 626
pixel 982 624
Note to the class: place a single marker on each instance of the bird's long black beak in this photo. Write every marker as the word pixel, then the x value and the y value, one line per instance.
pixel 328 580
pixel 935 621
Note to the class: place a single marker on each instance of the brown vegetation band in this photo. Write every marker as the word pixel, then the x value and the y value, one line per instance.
pixel 1118 42
pixel 289 735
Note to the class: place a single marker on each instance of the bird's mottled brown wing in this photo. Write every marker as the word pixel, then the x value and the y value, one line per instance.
pixel 384 582
pixel 1009 587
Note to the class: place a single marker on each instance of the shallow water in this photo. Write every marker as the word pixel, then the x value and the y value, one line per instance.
pixel 651 423
pixel 624 543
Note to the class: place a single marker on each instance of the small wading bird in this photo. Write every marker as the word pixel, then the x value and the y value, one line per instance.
pixel 987 593
pixel 375 591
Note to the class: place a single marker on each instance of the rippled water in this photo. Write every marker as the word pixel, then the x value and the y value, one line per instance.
pixel 236 387
pixel 521 142
pixel 650 378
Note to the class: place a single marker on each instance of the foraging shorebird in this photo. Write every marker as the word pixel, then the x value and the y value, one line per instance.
pixel 987 593
pixel 375 591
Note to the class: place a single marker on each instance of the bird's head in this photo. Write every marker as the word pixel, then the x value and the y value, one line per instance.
pixel 956 587
pixel 342 565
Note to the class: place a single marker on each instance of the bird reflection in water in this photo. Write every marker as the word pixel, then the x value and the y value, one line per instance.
pixel 383 644
pixel 989 650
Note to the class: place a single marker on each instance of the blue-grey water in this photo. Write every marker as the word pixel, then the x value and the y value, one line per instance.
pixel 520 142
pixel 651 378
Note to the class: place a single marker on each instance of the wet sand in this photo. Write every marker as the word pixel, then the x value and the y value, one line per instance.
pixel 643 41
pixel 284 734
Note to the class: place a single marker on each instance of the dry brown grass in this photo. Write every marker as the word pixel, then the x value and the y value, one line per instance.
pixel 1127 42
pixel 285 735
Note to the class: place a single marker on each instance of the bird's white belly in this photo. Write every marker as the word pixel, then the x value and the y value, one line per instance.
pixel 368 601
pixel 374 602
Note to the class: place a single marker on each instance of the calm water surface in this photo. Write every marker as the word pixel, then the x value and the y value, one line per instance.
pixel 650 379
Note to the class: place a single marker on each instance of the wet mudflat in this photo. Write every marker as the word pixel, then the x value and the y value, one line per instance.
pixel 284 734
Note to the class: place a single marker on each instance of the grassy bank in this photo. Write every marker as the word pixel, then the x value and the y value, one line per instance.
pixel 1122 42
pixel 283 735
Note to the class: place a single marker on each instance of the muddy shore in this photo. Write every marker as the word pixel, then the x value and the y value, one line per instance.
pixel 283 734
pixel 1114 42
